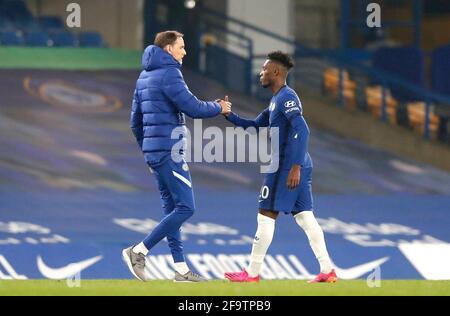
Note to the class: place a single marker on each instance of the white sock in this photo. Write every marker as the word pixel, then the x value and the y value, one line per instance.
pixel 261 242
pixel 181 267
pixel 314 232
pixel 140 248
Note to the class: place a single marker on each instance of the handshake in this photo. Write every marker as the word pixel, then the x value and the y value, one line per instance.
pixel 226 105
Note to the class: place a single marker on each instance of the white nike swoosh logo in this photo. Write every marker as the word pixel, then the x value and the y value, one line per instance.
pixel 65 272
pixel 359 270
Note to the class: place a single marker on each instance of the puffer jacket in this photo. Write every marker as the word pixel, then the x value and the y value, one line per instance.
pixel 160 101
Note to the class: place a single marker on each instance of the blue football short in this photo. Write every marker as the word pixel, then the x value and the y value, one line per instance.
pixel 276 196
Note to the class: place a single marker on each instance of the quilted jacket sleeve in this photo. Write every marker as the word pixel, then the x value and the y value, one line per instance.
pixel 176 90
pixel 136 119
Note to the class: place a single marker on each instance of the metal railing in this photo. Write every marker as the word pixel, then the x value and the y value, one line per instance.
pixel 226 56
pixel 354 84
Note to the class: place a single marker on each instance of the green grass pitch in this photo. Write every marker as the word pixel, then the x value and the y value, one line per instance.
pixel 222 288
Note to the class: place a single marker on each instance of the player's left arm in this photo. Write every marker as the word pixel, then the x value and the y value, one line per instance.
pixel 293 112
pixel 262 120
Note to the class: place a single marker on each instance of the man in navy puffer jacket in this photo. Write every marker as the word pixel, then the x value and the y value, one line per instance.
pixel 160 101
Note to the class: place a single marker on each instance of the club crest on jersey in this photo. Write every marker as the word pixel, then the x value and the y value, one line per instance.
pixel 289 104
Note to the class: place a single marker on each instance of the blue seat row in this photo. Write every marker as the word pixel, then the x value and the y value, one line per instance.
pixel 409 63
pixel 61 38
pixel 18 27
pixel 440 70
pixel 44 23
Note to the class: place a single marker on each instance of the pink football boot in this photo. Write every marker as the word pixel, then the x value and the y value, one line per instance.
pixel 241 277
pixel 325 277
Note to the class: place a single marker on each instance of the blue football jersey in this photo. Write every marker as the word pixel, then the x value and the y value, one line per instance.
pixel 285 118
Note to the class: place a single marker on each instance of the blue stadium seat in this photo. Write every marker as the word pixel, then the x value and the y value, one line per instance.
pixel 50 22
pixel 90 39
pixel 440 69
pixel 63 39
pixel 6 25
pixel 27 25
pixel 37 39
pixel 15 10
pixel 11 38
pixel 405 62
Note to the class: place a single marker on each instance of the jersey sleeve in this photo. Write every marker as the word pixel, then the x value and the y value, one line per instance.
pixel 292 109
pixel 262 120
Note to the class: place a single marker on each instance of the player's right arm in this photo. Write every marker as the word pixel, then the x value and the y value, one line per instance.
pixel 136 124
pixel 262 120
pixel 176 90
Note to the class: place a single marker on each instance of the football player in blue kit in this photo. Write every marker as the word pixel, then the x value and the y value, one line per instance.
pixel 287 189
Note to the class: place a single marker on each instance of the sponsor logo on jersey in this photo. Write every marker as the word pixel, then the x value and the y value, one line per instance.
pixel 291 110
pixel 290 104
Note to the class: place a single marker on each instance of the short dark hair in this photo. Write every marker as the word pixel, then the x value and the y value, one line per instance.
pixel 167 38
pixel 282 58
